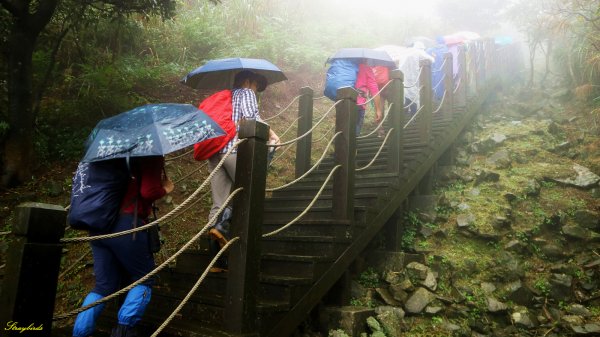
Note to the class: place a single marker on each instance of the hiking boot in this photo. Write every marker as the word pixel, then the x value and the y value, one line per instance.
pixel 124 331
pixel 216 235
pixel 217 270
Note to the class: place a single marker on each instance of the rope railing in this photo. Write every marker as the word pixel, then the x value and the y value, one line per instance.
pixel 441 103
pixel 290 127
pixel 167 217
pixel 378 92
pixel 310 205
pixel 457 86
pixel 309 131
pixel 439 83
pixel 441 67
pixel 413 117
pixel 378 151
pixel 318 98
pixel 324 135
pixel 179 156
pixel 74 264
pixel 284 109
pixel 310 170
pixel 385 116
pixel 282 153
pixel 155 270
pixel 417 81
pixel 5 233
pixel 195 287
pixel 189 174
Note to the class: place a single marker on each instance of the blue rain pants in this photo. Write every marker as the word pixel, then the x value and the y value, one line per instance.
pixel 118 262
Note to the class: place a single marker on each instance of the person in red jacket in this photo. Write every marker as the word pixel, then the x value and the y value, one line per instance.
pixel 127 258
pixel 245 106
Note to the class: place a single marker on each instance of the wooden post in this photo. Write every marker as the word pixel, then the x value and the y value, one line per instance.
pixel 425 99
pixel 303 146
pixel 32 266
pixel 345 155
pixel 393 230
pixel 244 256
pixel 461 95
pixel 425 186
pixel 448 104
pixel 490 66
pixel 480 66
pixel 396 141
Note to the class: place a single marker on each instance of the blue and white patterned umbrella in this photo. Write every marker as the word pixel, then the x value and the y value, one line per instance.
pixel 149 130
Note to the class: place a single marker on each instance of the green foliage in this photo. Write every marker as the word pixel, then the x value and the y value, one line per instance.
pixel 369 278
pixel 3 129
pixel 542 285
pixel 409 233
pixel 362 302
pixel 337 333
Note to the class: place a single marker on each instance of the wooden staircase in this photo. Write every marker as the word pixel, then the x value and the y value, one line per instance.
pixel 300 265
pixel 275 281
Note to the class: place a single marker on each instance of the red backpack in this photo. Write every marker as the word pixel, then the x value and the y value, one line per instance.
pixel 382 75
pixel 218 107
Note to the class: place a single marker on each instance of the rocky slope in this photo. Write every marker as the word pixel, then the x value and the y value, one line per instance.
pixel 509 245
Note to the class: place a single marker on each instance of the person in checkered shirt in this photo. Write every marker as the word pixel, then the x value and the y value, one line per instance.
pixel 245 106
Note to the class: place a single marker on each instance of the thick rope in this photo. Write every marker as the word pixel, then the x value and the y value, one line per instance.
pixel 190 174
pixel 439 83
pixel 324 135
pixel 317 98
pixel 385 116
pixel 378 151
pixel 378 93
pixel 417 81
pixel 281 154
pixel 308 207
pixel 284 109
pixel 413 117
pixel 290 127
pixel 156 270
pixel 309 131
pixel 310 170
pixel 441 102
pixel 75 264
pixel 441 67
pixel 457 86
pixel 179 156
pixel 194 288
pixel 5 233
pixel 164 218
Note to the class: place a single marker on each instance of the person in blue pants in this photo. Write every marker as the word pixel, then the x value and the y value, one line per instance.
pixel 126 258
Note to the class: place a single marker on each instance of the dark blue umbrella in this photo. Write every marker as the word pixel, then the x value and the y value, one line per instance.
pixel 219 74
pixel 372 56
pixel 149 130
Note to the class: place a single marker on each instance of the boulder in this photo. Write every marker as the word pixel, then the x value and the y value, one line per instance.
pixel 390 319
pixel 523 318
pixel 584 178
pixel 495 306
pixel 519 293
pixel 587 219
pixel 419 300
pixel 500 159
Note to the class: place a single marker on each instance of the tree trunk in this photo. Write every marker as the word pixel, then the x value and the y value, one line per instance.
pixel 19 144
pixel 18 148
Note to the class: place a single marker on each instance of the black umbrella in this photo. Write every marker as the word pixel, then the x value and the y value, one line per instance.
pixel 219 74
pixel 372 56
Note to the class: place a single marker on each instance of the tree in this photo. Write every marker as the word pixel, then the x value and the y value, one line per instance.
pixel 28 18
